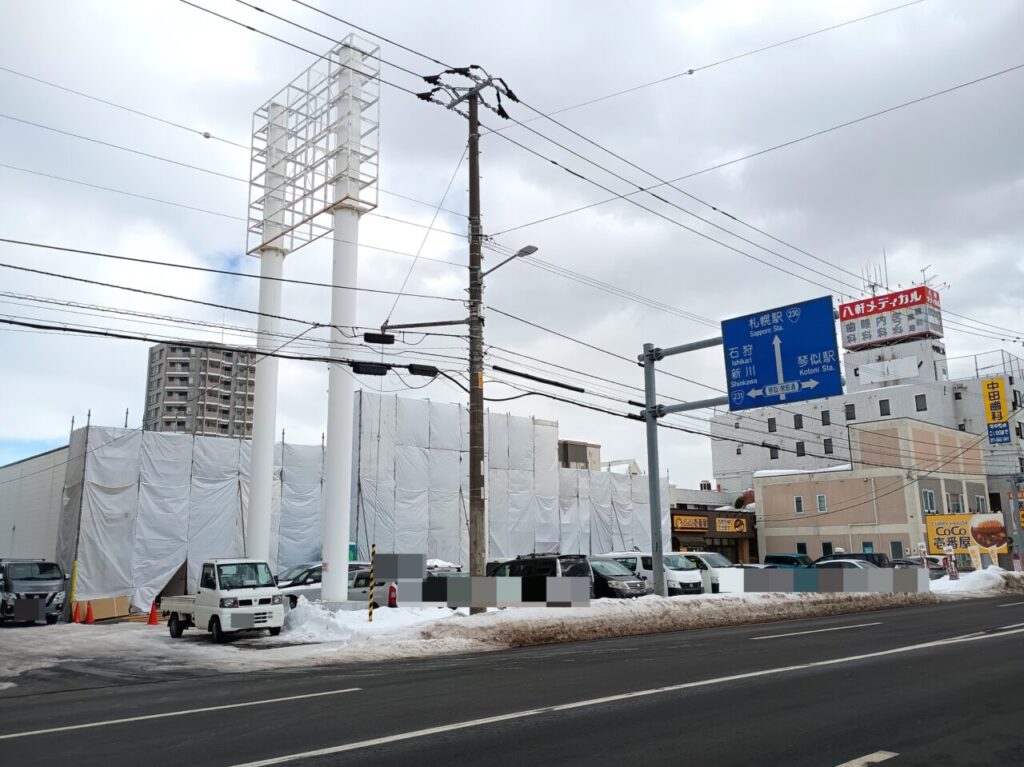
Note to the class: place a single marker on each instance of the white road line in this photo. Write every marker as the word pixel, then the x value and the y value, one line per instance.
pixel 127 720
pixel 817 631
pixel 875 758
pixel 607 699
pixel 1011 604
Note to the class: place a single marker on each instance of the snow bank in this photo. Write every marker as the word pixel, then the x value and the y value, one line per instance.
pixel 649 615
pixel 312 623
pixel 991 581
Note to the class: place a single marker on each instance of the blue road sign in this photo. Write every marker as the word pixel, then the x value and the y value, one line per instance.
pixel 788 354
pixel 999 433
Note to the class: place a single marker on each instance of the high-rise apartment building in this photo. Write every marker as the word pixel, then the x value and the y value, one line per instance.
pixel 200 391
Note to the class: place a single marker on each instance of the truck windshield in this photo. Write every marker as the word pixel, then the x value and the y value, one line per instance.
pixel 34 571
pixel 244 575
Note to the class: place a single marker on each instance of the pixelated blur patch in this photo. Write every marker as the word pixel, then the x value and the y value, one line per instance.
pixel 435 590
pixel 410 591
pixel 535 588
pixel 509 591
pixel 459 591
pixel 483 592
pixel 394 567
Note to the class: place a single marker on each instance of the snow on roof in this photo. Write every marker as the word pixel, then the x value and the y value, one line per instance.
pixel 790 472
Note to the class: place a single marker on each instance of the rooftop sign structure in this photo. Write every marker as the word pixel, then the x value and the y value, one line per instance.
pixel 882 320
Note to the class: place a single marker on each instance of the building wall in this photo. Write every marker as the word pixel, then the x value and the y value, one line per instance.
pixel 30 498
pixel 200 391
pixel 879 505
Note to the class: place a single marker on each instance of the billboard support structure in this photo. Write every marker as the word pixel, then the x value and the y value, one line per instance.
pixel 313 172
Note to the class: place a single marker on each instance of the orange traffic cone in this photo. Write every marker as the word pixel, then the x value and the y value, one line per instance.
pixel 88 613
pixel 392 595
pixel 75 617
pixel 152 616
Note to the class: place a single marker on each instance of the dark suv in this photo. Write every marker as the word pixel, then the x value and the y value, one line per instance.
pixel 545 565
pixel 878 560
pixel 31 590
pixel 788 560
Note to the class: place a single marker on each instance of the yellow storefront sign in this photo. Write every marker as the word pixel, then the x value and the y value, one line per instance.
pixel 730 525
pixel 682 522
pixel 962 531
pixel 993 393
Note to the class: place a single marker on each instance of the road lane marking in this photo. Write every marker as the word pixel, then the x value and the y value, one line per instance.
pixel 1011 604
pixel 385 740
pixel 109 722
pixel 875 758
pixel 817 631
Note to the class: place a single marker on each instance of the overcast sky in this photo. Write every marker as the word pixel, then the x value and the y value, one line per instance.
pixel 939 184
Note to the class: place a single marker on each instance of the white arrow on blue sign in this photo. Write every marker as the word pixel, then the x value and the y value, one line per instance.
pixel 786 354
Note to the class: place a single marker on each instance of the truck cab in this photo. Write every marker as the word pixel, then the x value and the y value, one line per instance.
pixel 233 595
pixel 31 590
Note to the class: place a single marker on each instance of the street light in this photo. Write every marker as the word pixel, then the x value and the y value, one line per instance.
pixel 527 251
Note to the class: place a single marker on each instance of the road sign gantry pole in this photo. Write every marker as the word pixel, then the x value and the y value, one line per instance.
pixel 652 412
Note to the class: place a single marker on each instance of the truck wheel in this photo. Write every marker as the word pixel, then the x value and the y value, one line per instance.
pixel 51 619
pixel 293 601
pixel 218 633
pixel 275 631
pixel 174 626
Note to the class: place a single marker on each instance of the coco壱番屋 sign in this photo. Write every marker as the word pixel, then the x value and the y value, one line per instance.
pixel 961 531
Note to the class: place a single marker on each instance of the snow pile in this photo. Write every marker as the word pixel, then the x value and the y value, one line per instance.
pixel 648 615
pixel 991 581
pixel 435 563
pixel 312 623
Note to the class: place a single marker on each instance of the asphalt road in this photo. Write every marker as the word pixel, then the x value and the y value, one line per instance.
pixel 814 692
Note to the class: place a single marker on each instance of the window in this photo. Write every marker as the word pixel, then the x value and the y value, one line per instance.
pixel 771 425
pixel 851 412
pixel 798 421
pixel 773 453
pixel 798 504
pixel 895 550
pixel 826 548
pixel 883 407
pixel 958 395
pixel 801 548
pixel 800 449
pixel 828 445
pixel 647 563
pixel 822 503
pixel 867 547
pixel 921 401
pixel 953 505
pixel 207 581
pixel 826 418
pixel 981 504
pixel 928 501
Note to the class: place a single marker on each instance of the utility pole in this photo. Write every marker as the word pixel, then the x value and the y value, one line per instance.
pixel 477 510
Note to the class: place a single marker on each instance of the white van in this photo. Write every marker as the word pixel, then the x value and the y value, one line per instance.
pixel 711 561
pixel 681 575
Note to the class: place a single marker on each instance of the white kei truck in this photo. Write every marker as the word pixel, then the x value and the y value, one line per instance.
pixel 233 595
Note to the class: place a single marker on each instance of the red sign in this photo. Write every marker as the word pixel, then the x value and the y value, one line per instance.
pixel 890 302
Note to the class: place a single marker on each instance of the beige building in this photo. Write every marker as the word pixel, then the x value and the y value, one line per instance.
pixel 200 391
pixel 900 470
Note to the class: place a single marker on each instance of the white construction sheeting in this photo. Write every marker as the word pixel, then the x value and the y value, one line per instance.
pixel 137 506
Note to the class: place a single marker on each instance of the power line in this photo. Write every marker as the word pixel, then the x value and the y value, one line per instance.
pixel 772 148
pixel 234 218
pixel 206 269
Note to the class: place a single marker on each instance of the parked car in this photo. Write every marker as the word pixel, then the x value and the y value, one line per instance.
pixel 711 561
pixel 788 560
pixel 547 565
pixel 755 566
pixel 306 583
pixel 934 571
pixel 877 559
pixel 845 564
pixel 614 579
pixel 286 577
pixel 681 575
pixel 31 590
